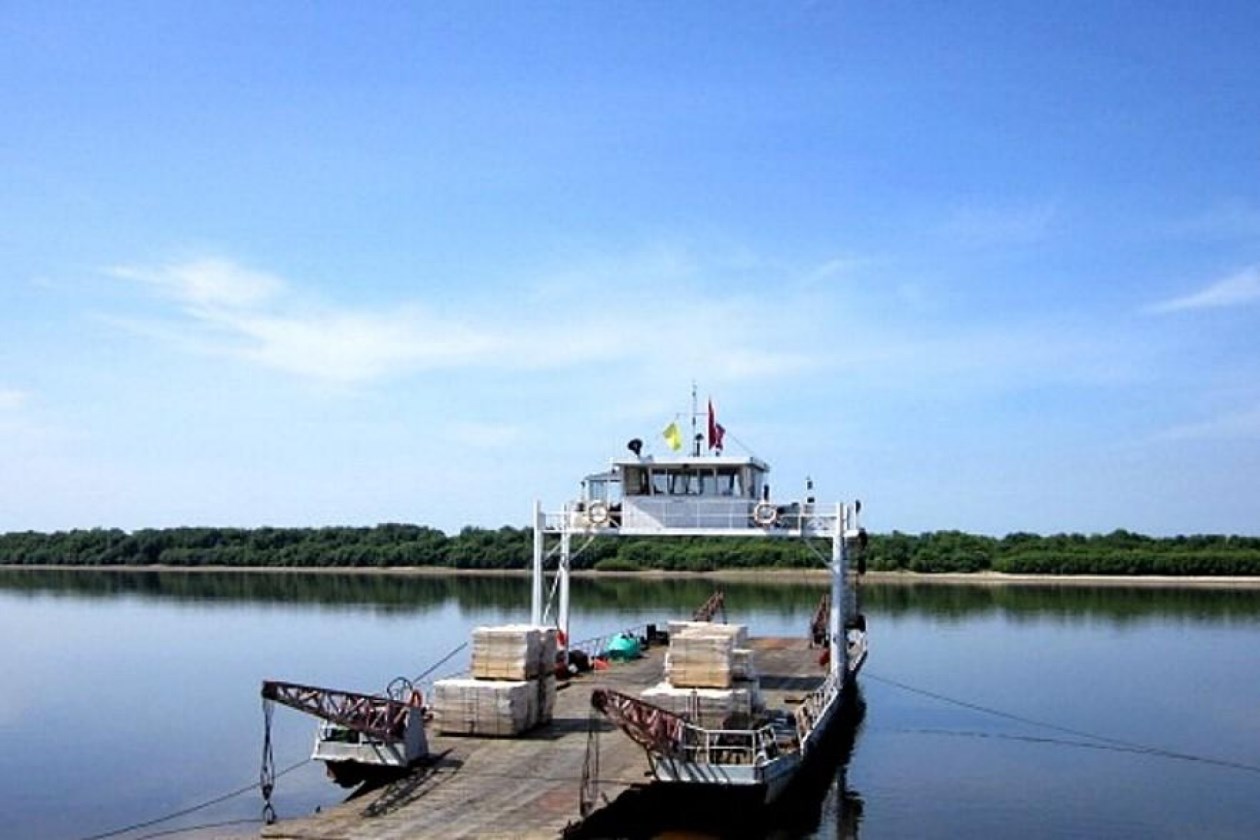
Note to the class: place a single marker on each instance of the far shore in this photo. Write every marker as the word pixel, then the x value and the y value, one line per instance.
pixel 772 574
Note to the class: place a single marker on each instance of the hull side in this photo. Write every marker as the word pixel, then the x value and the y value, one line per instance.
pixel 768 780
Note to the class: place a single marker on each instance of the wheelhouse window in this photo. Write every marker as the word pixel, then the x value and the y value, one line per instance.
pixel 597 489
pixel 736 481
pixel 635 481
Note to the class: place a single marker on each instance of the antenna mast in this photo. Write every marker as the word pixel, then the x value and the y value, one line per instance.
pixel 695 436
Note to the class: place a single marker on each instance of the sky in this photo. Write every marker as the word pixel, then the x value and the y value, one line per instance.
pixel 987 266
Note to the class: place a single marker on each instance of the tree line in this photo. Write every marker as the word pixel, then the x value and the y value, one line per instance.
pixel 395 545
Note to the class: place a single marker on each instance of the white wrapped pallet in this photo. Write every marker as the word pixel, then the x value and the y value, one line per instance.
pixel 699 660
pixel 739 631
pixel 484 707
pixel 513 652
pixel 709 707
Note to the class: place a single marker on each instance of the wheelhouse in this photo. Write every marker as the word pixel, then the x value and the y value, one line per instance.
pixel 648 495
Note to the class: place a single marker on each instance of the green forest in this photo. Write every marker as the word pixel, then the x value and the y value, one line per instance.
pixel 396 545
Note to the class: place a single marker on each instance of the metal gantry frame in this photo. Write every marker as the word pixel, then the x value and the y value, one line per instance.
pixel 841 527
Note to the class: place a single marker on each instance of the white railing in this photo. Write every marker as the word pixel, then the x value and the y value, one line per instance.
pixel 814 706
pixel 729 746
pixel 644 515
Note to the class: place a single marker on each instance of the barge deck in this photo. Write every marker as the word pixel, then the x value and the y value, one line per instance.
pixel 531 786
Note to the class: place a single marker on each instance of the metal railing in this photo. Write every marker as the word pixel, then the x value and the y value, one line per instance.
pixel 814 704
pixel 741 516
pixel 729 746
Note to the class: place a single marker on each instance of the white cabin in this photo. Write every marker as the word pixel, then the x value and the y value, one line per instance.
pixel 709 495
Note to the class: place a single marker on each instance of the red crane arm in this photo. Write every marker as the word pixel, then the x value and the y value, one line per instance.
pixel 711 607
pixel 649 726
pixel 379 717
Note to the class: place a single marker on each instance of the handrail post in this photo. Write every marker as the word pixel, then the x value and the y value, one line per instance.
pixel 565 552
pixel 835 623
pixel 536 590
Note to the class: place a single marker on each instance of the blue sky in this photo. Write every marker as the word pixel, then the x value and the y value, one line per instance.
pixel 988 266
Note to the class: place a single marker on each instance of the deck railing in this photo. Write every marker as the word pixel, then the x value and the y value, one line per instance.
pixel 815 704
pixel 679 514
pixel 729 746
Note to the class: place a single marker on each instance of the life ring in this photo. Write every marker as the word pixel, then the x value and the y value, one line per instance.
pixel 765 514
pixel 597 513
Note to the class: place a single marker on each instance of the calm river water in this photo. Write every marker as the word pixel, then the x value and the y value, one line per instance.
pixel 129 696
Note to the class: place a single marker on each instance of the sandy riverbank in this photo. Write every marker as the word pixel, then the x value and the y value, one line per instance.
pixel 775 575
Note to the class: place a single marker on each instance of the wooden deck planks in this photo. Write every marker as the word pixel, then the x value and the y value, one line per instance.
pixel 528 787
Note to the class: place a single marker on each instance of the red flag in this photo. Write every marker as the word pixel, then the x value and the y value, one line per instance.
pixel 716 432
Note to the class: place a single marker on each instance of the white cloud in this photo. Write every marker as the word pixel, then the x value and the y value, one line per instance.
pixel 259 317
pixel 12 399
pixel 844 266
pixel 1229 426
pixel 653 314
pixel 1240 289
pixel 355 346
pixel 209 284
pixel 629 319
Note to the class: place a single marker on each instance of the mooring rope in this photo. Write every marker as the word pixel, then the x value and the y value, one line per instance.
pixel 1101 741
pixel 192 809
pixel 171 832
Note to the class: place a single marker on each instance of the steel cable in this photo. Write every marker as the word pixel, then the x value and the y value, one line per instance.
pixel 192 809
pixel 1114 743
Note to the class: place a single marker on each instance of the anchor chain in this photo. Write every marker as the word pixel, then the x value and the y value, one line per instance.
pixel 267 773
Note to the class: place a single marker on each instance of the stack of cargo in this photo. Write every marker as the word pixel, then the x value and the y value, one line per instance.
pixel 739 632
pixel 484 707
pixel 511 652
pixel 709 674
pixel 704 655
pixel 513 684
pixel 706 706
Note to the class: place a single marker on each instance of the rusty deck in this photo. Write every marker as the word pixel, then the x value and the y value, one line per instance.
pixel 529 787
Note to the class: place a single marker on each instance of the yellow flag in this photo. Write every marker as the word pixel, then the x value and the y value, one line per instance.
pixel 673 437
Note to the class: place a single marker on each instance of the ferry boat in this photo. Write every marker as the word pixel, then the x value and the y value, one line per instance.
pixel 366 737
pixel 717 495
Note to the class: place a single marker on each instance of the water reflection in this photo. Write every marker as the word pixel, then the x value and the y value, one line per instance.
pixel 1169 667
pixel 423 592
pixel 404 593
pixel 1114 602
